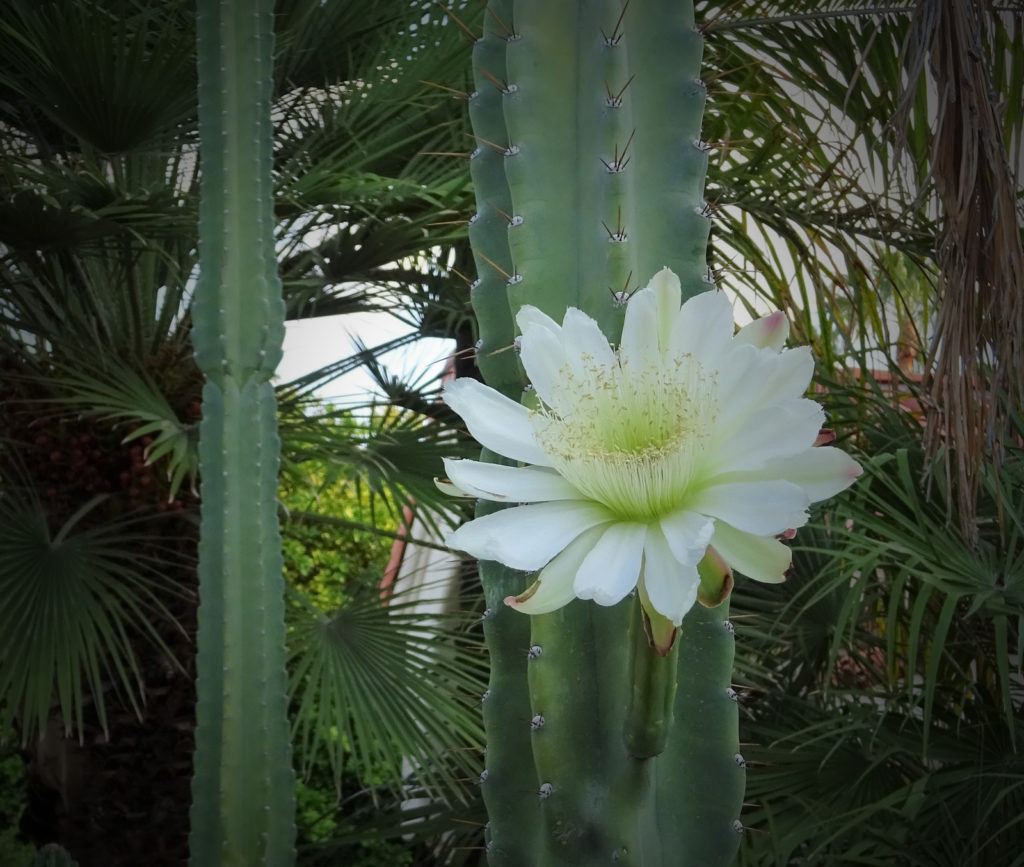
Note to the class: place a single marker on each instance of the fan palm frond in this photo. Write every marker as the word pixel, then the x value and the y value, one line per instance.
pixel 390 685
pixel 77 599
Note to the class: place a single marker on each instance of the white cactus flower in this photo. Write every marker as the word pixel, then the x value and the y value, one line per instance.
pixel 638 459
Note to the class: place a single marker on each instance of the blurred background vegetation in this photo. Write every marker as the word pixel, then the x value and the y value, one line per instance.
pixel 881 687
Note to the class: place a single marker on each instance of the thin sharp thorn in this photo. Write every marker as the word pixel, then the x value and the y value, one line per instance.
pixel 616 36
pixel 462 94
pixel 629 141
pixel 463 154
pixel 458 273
pixel 495 265
pixel 455 18
pixel 499 148
pixel 497 82
pixel 508 217
pixel 501 23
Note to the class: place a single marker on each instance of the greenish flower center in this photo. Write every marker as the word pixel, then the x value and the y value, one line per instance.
pixel 633 439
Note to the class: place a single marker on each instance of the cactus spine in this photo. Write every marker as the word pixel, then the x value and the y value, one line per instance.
pixel 589 176
pixel 243 784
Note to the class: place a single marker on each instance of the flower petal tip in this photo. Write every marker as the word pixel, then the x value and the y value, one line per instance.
pixel 768 332
pixel 826 436
pixel 446 487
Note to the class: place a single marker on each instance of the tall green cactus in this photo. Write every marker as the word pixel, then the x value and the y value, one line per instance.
pixel 243 785
pixel 589 173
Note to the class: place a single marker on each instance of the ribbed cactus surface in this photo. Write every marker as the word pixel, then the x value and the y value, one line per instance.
pixel 243 785
pixel 589 173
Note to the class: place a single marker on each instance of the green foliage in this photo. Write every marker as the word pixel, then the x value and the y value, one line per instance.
pixel 381 685
pixel 12 802
pixel 77 598
pixel 331 562
pixel 52 855
pixel 885 688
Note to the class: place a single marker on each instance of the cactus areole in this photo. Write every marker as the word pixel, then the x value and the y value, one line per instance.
pixel 676 457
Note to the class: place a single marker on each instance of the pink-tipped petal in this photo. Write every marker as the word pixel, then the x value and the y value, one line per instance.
pixel 821 472
pixel 826 436
pixel 768 332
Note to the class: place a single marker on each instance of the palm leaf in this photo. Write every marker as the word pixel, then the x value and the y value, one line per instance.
pixel 77 599
pixel 383 682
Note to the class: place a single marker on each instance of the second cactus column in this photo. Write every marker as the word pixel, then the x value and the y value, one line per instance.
pixel 589 171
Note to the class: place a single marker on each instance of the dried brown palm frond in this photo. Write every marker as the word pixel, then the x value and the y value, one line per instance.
pixel 976 363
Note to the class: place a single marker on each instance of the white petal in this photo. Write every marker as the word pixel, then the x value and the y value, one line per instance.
pixel 703 327
pixel 749 382
pixel 687 534
pixel 583 339
pixel 553 587
pixel 639 347
pixel 763 508
pixel 650 314
pixel 671 586
pixel 612 567
pixel 509 484
pixel 543 358
pixel 768 332
pixel 530 317
pixel 759 557
pixel 495 421
pixel 527 537
pixel 822 472
pixel 775 431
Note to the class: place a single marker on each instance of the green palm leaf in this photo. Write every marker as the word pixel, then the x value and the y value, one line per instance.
pixel 386 683
pixel 77 600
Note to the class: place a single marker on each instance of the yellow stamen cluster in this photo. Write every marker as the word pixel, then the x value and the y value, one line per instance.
pixel 632 437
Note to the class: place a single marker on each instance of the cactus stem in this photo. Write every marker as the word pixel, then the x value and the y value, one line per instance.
pixel 652 697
